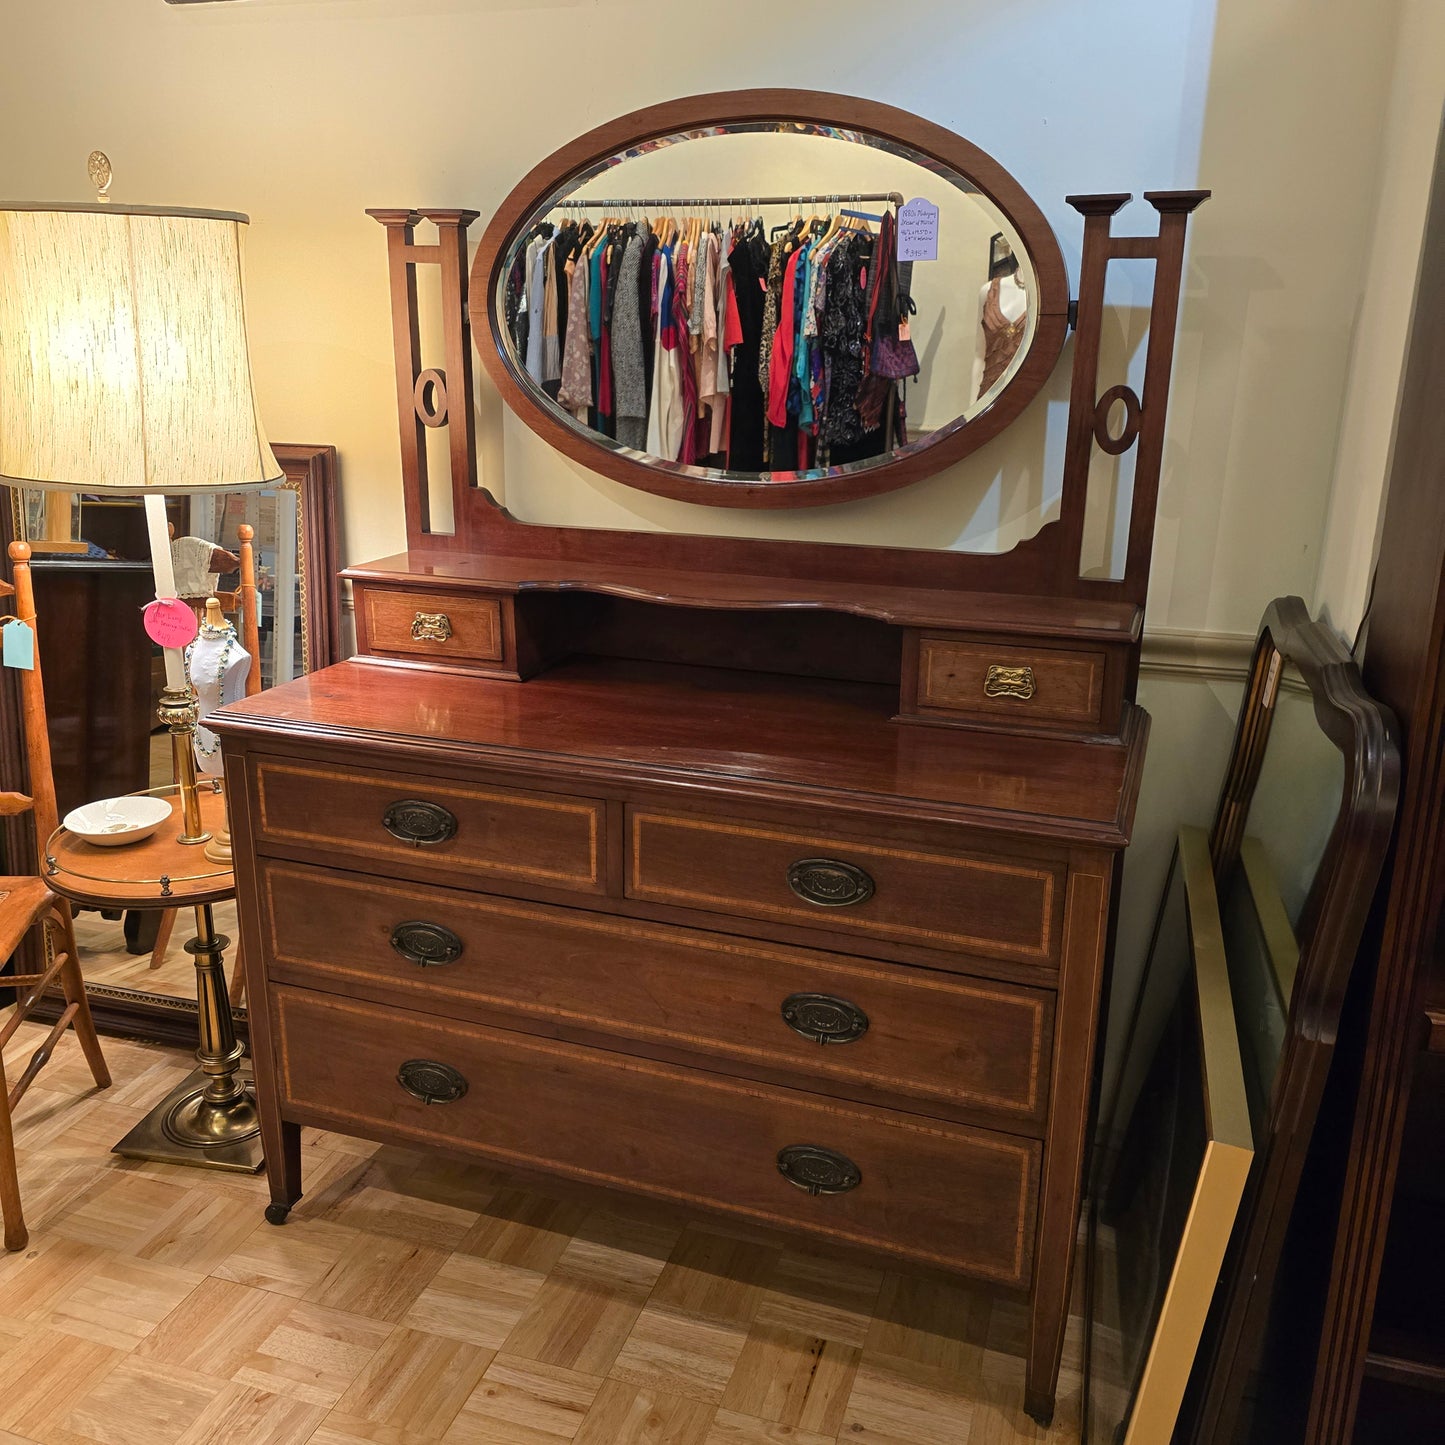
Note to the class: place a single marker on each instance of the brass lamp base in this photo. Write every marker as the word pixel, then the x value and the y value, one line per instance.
pixel 186 1128
pixel 210 1120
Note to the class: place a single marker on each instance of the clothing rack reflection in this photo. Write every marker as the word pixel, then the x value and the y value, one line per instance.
pixel 574 204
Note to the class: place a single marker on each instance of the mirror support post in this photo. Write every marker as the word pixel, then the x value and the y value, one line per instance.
pixel 425 397
pixel 1145 415
pixel 1088 321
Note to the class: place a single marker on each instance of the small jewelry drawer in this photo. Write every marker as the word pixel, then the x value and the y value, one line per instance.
pixel 934 1193
pixel 452 830
pixel 830 1024
pixel 983 904
pixel 1035 688
pixel 431 626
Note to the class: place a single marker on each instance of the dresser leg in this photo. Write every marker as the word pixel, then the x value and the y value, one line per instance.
pixel 1086 912
pixel 283 1166
pixel 1039 1407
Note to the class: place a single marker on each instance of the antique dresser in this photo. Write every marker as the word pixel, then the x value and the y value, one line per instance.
pixel 772 878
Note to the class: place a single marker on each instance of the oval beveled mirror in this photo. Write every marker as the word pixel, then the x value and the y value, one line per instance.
pixel 769 299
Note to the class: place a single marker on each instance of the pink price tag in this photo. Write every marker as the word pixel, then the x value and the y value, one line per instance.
pixel 169 622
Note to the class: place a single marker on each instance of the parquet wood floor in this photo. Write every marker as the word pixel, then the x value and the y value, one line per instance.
pixel 412 1300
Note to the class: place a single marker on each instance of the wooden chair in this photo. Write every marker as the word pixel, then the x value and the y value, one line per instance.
pixel 244 601
pixel 26 902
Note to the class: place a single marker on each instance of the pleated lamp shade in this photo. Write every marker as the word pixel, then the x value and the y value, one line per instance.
pixel 123 360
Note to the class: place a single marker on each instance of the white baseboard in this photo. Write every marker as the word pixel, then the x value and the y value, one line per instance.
pixel 1183 652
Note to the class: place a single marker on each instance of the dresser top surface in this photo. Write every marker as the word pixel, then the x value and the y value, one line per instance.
pixel 776 738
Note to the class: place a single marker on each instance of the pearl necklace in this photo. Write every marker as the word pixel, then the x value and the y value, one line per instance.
pixel 213 634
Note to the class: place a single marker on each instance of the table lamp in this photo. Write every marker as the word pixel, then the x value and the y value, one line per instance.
pixel 124 371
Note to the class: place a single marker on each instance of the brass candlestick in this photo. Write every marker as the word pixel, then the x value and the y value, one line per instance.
pixel 210 1119
pixel 179 713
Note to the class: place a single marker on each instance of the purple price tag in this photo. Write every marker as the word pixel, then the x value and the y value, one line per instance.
pixel 918 231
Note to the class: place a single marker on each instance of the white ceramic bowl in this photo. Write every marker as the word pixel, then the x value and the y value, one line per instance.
pixel 114 821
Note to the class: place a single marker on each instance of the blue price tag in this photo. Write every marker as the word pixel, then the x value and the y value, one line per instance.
pixel 17 645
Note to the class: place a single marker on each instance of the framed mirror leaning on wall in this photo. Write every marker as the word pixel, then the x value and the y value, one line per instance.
pixel 1175 1155
pixel 295 558
pixel 99 692
pixel 1286 874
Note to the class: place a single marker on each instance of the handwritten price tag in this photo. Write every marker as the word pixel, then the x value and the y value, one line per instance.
pixel 169 622
pixel 918 231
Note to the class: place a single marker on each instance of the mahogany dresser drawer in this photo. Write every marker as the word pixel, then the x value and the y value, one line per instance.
pixel 936 1193
pixel 1002 907
pixel 1065 689
pixel 885 1031
pixel 431 626
pixel 454 830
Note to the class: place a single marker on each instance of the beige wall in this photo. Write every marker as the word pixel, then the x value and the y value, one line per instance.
pixel 305 112
pixel 1407 158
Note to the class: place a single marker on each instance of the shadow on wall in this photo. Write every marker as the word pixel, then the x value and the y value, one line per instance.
pixel 1222 344
pixel 1274 280
pixel 1189 739
pixel 1122 353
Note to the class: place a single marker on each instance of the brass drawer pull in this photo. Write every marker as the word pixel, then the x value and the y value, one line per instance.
pixel 824 1018
pixel 1009 682
pixel 818 1170
pixel 829 883
pixel 431 1082
pixel 426 944
pixel 423 825
pixel 431 627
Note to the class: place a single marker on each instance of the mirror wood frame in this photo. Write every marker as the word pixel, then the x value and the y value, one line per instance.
pixel 925 140
pixel 1297 653
pixel 1329 930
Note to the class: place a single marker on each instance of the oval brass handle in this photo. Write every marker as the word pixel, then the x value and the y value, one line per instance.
pixel 824 1018
pixel 419 823
pixel 817 1170
pixel 431 1082
pixel 431 627
pixel 829 883
pixel 1009 682
pixel 426 944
